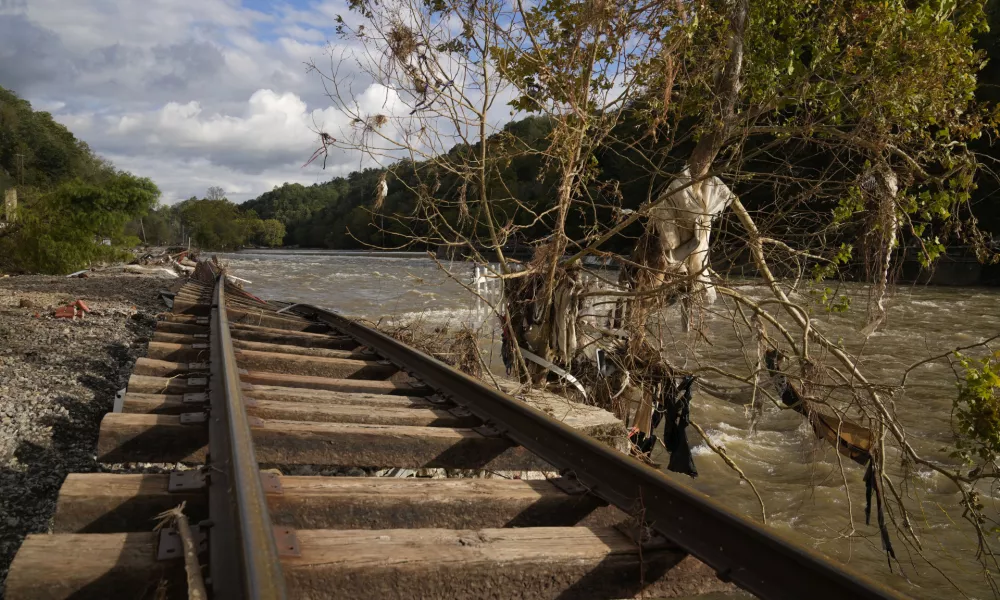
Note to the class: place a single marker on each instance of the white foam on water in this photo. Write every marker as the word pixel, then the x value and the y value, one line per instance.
pixel 446 315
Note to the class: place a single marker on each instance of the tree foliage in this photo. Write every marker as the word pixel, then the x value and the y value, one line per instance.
pixel 69 199
pixel 212 223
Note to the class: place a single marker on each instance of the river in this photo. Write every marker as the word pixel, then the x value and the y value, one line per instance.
pixel 799 478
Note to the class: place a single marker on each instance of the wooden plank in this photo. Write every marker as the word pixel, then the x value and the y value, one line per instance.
pixel 178 338
pixel 596 422
pixel 150 438
pixel 352 445
pixel 126 437
pixel 305 411
pixel 325 413
pixel 111 502
pixel 356 353
pixel 527 563
pixel 178 352
pixel 316 366
pixel 143 384
pixel 244 313
pixel 256 378
pixel 534 563
pixel 157 404
pixel 384 396
pixel 170 317
pixel 180 328
pixel 406 503
pixel 194 295
pixel 187 307
pixel 285 332
pixel 297 338
pixel 164 368
pixel 92 567
pixel 261 318
pixel 107 503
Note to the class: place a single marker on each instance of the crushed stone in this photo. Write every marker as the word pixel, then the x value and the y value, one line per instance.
pixel 58 377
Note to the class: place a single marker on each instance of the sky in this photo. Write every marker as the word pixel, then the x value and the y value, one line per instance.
pixel 190 93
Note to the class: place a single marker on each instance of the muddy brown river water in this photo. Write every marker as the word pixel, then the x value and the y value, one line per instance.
pixel 800 478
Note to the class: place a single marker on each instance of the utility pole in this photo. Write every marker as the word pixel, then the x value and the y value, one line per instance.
pixel 20 169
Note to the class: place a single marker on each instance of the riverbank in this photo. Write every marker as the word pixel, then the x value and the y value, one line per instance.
pixel 57 379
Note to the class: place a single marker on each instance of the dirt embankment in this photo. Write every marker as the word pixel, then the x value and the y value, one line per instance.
pixel 57 379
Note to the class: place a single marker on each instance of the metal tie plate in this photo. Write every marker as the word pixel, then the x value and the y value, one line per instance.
pixel 569 485
pixel 460 411
pixel 192 418
pixel 287 541
pixel 185 481
pixel 271 482
pixel 170 546
pixel 195 398
pixel 488 431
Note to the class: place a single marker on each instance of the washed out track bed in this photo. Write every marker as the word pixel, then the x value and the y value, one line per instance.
pixel 248 396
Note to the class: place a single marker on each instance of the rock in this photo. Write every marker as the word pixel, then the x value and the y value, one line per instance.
pixel 50 409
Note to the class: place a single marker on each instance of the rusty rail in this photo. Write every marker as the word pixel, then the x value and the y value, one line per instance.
pixel 243 555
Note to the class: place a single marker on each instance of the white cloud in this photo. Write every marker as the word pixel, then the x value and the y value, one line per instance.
pixel 194 93
pixel 247 152
pixel 271 125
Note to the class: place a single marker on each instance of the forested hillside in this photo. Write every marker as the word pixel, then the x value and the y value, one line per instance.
pixel 340 213
pixel 69 199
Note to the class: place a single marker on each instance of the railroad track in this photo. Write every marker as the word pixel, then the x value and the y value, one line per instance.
pixel 244 392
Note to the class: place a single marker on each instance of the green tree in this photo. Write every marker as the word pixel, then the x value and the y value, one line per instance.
pixel 214 224
pixel 272 233
pixel 63 230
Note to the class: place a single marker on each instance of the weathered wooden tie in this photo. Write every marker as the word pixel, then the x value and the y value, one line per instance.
pixel 109 503
pixel 529 562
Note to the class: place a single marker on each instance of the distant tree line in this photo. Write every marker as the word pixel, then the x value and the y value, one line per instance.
pixel 72 205
pixel 339 213
pixel 211 223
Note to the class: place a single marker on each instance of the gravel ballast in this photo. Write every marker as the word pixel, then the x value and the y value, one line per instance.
pixel 58 377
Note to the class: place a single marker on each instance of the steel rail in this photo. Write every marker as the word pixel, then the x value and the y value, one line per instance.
pixel 243 556
pixel 751 556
